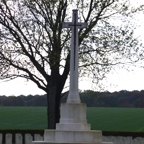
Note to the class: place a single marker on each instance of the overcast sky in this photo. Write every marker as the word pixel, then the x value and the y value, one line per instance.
pixel 119 80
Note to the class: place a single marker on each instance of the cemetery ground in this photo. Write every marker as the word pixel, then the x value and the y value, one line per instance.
pixel 108 119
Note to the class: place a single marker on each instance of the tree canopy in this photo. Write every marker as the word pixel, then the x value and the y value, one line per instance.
pixel 33 44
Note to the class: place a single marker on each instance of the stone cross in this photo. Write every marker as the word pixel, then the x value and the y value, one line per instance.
pixel 73 96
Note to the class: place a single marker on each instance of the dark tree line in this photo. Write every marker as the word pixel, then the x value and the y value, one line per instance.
pixel 91 98
pixel 36 100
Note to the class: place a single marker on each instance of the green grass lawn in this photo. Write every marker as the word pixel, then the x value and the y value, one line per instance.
pixel 116 119
pixel 109 119
pixel 23 118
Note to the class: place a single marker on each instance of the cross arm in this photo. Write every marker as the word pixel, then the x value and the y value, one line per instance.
pixel 67 25
pixel 82 25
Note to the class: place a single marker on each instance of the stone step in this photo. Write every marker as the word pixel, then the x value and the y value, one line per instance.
pixel 45 142
pixel 73 136
pixel 73 126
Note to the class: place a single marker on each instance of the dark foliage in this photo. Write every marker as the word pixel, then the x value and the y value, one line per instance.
pixel 91 98
pixel 12 101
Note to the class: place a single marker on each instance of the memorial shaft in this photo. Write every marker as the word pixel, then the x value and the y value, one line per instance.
pixel 73 96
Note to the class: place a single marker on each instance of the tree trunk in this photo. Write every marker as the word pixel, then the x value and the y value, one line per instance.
pixel 53 111
pixel 54 88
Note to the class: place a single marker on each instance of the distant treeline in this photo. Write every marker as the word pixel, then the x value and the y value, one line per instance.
pixel 91 98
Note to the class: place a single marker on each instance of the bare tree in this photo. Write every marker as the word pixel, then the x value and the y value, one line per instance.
pixel 34 46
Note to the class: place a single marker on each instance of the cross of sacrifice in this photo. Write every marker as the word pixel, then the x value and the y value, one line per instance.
pixel 73 96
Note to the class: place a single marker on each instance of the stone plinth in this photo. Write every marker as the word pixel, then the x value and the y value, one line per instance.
pixel 73 113
pixel 73 128
pixel 73 117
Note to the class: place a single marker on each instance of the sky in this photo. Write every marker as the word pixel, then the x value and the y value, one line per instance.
pixel 121 79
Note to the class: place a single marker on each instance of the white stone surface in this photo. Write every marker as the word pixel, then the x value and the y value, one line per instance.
pixel 64 136
pixel 38 137
pixel 73 113
pixel 138 140
pixel 73 117
pixel 1 136
pixel 8 139
pixel 18 138
pixel 44 142
pixel 28 139
pixel 49 135
pixel 123 140
pixel 129 140
pixel 112 139
pixel 105 139
pixel 73 126
pixel 73 96
pixel 135 141
pixel 73 136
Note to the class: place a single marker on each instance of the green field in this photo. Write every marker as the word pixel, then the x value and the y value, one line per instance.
pixel 109 119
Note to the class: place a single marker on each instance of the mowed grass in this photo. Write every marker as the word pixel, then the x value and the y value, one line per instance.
pixel 109 119
pixel 23 118
pixel 116 119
